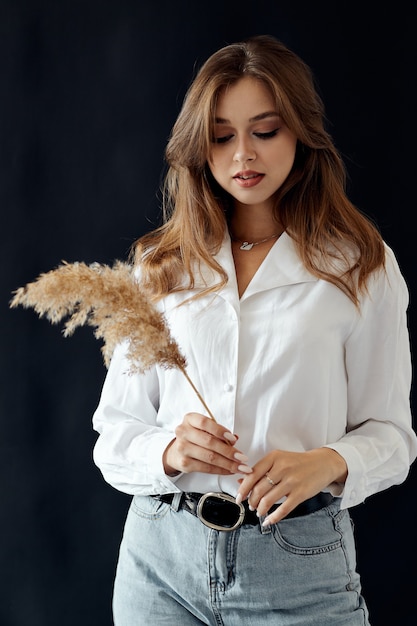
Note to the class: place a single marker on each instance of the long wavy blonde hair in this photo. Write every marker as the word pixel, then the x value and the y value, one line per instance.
pixel 335 240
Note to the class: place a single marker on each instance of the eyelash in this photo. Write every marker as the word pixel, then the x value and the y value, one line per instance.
pixel 268 135
pixel 263 136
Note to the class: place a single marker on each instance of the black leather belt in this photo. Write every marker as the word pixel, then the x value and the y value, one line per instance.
pixel 220 511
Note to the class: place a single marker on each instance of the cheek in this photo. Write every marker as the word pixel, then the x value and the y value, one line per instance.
pixel 291 155
pixel 219 156
pixel 286 156
pixel 215 165
pixel 292 148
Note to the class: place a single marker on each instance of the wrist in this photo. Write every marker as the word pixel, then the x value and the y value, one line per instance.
pixel 338 465
pixel 169 470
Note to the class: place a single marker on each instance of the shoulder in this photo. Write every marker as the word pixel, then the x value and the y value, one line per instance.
pixel 387 283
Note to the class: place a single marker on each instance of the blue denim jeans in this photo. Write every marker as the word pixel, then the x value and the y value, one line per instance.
pixel 172 570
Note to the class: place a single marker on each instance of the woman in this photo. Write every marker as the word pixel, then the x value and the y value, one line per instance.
pixel 291 311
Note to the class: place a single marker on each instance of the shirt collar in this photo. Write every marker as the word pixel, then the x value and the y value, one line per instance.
pixel 282 266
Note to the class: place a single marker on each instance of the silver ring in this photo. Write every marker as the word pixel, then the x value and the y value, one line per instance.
pixel 271 482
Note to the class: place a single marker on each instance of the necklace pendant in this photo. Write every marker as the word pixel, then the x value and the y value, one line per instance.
pixel 246 246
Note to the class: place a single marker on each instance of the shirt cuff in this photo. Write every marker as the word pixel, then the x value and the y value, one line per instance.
pixel 354 490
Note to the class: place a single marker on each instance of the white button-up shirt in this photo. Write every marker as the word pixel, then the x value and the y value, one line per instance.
pixel 291 365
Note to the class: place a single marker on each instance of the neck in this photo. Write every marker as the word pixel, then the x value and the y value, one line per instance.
pixel 257 234
pixel 253 224
pixel 253 238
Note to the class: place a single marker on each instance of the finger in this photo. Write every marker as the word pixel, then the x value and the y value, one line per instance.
pixel 205 424
pixel 193 429
pixel 235 464
pixel 195 457
pixel 254 486
pixel 280 512
pixel 230 437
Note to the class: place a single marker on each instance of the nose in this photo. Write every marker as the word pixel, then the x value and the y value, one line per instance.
pixel 244 151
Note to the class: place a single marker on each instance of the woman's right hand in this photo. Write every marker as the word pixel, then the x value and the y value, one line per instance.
pixel 203 445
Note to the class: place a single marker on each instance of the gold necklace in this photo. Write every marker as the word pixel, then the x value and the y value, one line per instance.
pixel 248 245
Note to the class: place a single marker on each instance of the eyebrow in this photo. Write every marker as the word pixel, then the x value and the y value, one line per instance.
pixel 257 118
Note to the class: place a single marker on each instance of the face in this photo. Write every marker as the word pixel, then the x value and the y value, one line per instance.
pixel 252 151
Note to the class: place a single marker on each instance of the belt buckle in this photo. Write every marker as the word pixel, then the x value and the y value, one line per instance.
pixel 209 514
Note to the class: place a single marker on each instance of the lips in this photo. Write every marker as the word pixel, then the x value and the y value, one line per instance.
pixel 248 178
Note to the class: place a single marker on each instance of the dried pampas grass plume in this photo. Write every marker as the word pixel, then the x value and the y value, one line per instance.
pixel 110 300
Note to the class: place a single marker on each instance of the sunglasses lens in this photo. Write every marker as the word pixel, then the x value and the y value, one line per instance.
pixel 226 515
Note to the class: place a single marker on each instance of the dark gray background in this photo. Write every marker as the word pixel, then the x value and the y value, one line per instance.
pixel 89 91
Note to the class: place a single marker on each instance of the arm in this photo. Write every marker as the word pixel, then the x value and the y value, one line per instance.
pixel 379 444
pixel 141 453
pixel 130 445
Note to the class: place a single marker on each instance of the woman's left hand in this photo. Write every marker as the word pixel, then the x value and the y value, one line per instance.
pixel 295 476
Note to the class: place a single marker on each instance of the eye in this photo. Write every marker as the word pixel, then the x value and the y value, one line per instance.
pixel 223 139
pixel 268 135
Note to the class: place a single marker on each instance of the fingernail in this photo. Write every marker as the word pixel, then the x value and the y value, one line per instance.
pixel 245 469
pixel 238 498
pixel 266 522
pixel 241 457
pixel 230 437
pixel 250 507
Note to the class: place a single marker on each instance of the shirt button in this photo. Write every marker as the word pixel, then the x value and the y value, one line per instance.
pixel 228 387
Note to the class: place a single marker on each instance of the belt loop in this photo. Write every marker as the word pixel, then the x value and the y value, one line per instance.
pixel 176 501
pixel 265 530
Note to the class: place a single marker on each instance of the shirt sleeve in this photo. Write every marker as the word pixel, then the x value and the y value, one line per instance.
pixel 130 445
pixel 380 443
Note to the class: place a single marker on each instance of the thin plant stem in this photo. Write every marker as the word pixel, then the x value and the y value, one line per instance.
pixel 184 371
